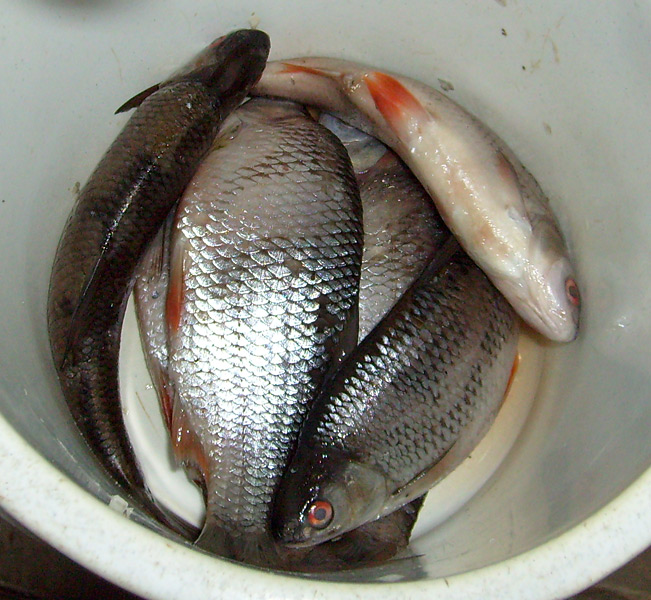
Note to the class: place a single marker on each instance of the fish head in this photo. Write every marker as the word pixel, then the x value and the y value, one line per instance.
pixel 547 294
pixel 230 66
pixel 221 67
pixel 553 300
pixel 325 496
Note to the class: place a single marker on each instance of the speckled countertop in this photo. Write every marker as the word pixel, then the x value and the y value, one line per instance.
pixel 30 569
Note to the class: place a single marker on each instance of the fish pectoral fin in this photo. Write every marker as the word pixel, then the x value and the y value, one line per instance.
pixel 138 99
pixel 78 322
pixel 161 261
pixel 396 103
pixel 422 482
pixel 176 287
pixel 186 446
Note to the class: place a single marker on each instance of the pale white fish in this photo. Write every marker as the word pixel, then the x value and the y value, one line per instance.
pixel 492 204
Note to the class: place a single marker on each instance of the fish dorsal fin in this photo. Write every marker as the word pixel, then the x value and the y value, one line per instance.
pixel 138 99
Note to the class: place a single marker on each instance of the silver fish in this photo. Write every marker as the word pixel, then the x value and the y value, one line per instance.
pixel 387 188
pixel 407 406
pixel 491 203
pixel 368 545
pixel 261 305
pixel 402 230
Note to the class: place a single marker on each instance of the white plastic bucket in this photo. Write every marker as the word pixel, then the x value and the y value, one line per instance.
pixel 565 84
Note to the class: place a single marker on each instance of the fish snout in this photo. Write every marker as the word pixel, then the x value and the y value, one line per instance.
pixel 558 315
pixel 239 60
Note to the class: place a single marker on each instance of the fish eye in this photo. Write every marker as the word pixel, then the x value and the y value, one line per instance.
pixel 572 291
pixel 320 514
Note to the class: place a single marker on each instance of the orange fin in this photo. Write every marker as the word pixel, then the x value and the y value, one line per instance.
pixel 175 289
pixel 292 68
pixel 394 101
pixel 514 370
pixel 186 446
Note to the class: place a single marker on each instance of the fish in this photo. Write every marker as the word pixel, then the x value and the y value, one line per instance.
pixel 488 199
pixel 117 214
pixel 402 229
pixel 403 232
pixel 371 544
pixel 386 186
pixel 261 297
pixel 406 407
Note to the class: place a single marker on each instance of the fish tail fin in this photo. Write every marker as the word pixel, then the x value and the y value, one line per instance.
pixel 255 548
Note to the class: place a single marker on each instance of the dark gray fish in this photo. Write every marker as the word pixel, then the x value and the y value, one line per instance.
pixel 402 234
pixel 118 212
pixel 407 406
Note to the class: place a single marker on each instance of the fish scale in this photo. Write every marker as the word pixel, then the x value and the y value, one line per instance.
pixel 267 247
pixel 406 407
pixel 388 190
pixel 395 249
pixel 116 216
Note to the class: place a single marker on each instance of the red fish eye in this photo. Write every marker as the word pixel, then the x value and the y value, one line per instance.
pixel 572 291
pixel 320 514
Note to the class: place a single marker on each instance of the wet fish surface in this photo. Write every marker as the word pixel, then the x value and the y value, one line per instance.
pixel 117 214
pixel 402 229
pixel 402 234
pixel 387 189
pixel 488 199
pixel 407 406
pixel 261 304
pixel 369 545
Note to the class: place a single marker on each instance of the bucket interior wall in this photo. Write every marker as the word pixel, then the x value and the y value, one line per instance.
pixel 566 85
